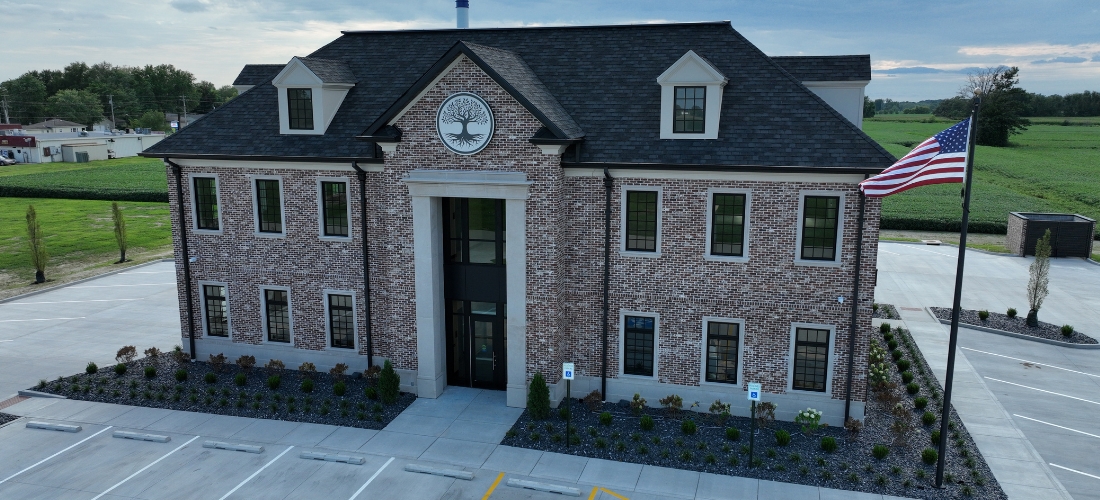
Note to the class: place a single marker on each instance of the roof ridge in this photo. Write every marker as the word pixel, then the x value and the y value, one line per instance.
pixel 507 28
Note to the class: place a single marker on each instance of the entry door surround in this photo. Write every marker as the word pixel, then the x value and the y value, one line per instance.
pixel 427 188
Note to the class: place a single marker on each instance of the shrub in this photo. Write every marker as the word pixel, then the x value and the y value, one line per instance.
pixel 210 378
pixel 935 437
pixel 538 398
pixel 888 336
pixel 120 369
pixel 389 384
pixel 907 376
pixel 892 344
pixel 912 387
pixel 928 418
pixel 152 352
pixel 929 456
pixel 563 411
pixel 240 379
pixel 126 354
pixel 91 368
pixel 672 403
pixel 828 444
pixel 181 375
pixel 878 374
pixel 637 404
pixel 339 388
pixel 765 414
pixel 903 365
pixel 720 410
pixel 273 382
pixel 920 403
pixel 1011 313
pixel 605 418
pixel 593 401
pixel 896 354
pixel 810 419
pixel 150 371
pixel 275 364
pixel 1067 330
pixel 733 434
pixel 688 426
pixel 646 423
pixel 217 362
pixel 879 451
pixel 782 437
pixel 983 315
pixel 246 362
pixel 307 369
pixel 853 427
pixel 179 356
pixel 307 385
pixel 884 328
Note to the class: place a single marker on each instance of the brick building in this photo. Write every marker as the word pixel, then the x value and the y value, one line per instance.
pixel 487 169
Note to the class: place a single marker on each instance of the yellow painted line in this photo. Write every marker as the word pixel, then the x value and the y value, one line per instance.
pixel 493 487
pixel 592 496
pixel 612 493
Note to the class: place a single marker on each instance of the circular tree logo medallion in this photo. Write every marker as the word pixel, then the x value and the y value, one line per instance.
pixel 465 123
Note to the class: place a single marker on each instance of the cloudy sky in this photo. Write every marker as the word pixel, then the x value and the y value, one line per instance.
pixel 919 50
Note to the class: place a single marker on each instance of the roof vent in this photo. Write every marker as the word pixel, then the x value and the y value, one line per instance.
pixel 463 7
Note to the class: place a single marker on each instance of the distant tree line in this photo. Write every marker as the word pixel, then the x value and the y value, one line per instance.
pixel 83 94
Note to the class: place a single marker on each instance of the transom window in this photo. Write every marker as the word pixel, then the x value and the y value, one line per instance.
pixel 206 203
pixel 341 321
pixel 217 321
pixel 641 221
pixel 475 230
pixel 300 112
pixel 277 306
pixel 722 340
pixel 820 216
pixel 334 208
pixel 639 334
pixel 727 232
pixel 811 359
pixel 690 110
pixel 269 208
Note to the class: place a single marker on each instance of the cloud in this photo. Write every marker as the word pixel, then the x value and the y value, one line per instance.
pixel 190 5
pixel 1032 50
pixel 913 70
pixel 1063 59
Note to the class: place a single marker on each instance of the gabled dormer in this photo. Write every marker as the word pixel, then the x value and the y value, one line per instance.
pixel 691 98
pixel 310 93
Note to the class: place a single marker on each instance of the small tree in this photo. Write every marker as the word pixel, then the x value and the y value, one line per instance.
pixel 120 231
pixel 39 257
pixel 538 398
pixel 1040 278
pixel 389 383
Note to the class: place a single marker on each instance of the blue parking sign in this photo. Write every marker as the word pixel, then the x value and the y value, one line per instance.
pixel 754 392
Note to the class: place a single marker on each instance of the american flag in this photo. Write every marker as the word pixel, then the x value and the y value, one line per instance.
pixel 939 160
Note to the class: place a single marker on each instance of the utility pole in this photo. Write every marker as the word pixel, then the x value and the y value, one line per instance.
pixel 181 120
pixel 111 99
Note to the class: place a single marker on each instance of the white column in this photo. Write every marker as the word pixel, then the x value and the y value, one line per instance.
pixel 516 255
pixel 431 344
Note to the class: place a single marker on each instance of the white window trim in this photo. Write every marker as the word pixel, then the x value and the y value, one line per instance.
pixel 195 208
pixel 321 208
pixel 836 262
pixel 710 221
pixel 256 206
pixel 830 367
pixel 740 352
pixel 715 83
pixel 228 315
pixel 656 343
pixel 622 221
pixel 328 321
pixel 327 98
pixel 263 314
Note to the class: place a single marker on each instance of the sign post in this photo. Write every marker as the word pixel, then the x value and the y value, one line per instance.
pixel 567 374
pixel 754 396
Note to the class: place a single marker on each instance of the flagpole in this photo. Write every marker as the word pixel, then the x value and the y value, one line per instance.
pixel 945 414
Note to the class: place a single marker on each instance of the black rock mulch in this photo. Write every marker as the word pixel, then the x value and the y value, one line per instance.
pixel 1018 324
pixel 6 417
pixel 885 311
pixel 224 397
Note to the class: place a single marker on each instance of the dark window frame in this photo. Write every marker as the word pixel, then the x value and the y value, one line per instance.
pixel 639 356
pixel 681 111
pixel 277 319
pixel 732 230
pixel 334 214
pixel 820 242
pixel 299 102
pixel 345 337
pixel 207 217
pixel 713 361
pixel 269 213
pixel 639 212
pixel 216 303
pixel 811 375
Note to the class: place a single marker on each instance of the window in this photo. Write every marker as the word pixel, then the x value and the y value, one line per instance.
pixel 727 219
pixel 300 108
pixel 639 336
pixel 820 220
pixel 811 359
pixel 341 321
pixel 689 113
pixel 334 208
pixel 277 307
pixel 721 355
pixel 269 208
pixel 217 317
pixel 206 203
pixel 641 221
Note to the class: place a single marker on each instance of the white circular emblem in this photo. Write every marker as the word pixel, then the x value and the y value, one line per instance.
pixel 465 123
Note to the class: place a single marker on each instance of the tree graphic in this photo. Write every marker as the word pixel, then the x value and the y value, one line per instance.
pixel 464 110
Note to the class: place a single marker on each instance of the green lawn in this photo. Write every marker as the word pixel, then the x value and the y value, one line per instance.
pixel 133 179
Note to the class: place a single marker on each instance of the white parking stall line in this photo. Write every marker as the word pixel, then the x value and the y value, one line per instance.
pixel 147 272
pixel 376 473
pixel 1056 425
pixel 44 460
pixel 113 286
pixel 1032 362
pixel 1042 390
pixel 254 474
pixel 1077 471
pixel 36 319
pixel 930 251
pixel 131 476
pixel 67 302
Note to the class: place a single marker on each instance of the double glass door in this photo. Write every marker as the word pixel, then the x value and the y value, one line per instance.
pixel 478 348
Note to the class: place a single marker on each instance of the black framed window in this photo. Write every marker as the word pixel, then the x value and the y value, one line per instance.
pixel 206 203
pixel 639 338
pixel 217 319
pixel 722 351
pixel 269 208
pixel 300 108
pixel 334 208
pixel 277 305
pixel 341 321
pixel 811 359
pixel 690 110
pixel 641 221
pixel 820 219
pixel 474 229
pixel 727 218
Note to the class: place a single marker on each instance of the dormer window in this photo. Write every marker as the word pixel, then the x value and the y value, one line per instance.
pixel 310 94
pixel 689 115
pixel 300 108
pixel 691 98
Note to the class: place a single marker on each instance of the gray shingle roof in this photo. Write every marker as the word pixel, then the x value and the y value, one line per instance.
pixel 603 77
pixel 255 74
pixel 329 70
pixel 827 68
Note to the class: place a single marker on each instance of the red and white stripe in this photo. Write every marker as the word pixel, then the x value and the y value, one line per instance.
pixel 923 166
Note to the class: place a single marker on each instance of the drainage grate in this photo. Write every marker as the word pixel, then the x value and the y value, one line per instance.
pixel 12 401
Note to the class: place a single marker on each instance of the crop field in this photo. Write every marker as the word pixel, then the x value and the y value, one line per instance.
pixel 1048 168
pixel 130 179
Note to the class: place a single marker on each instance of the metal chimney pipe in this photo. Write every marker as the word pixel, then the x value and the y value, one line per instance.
pixel 463 7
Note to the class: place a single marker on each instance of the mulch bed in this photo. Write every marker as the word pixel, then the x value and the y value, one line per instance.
pixel 885 311
pixel 803 461
pixel 1018 324
pixel 224 397
pixel 6 417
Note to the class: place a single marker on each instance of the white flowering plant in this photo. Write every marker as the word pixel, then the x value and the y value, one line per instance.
pixel 810 419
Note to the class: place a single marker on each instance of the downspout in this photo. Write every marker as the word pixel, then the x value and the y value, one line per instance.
pixel 362 174
pixel 178 172
pixel 608 183
pixel 855 307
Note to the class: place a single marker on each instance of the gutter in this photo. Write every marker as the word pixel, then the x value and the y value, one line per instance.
pixel 855 308
pixel 608 183
pixel 362 174
pixel 178 172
